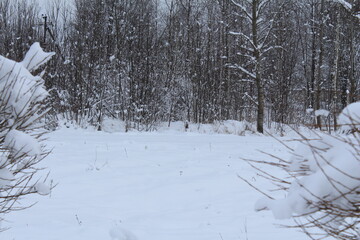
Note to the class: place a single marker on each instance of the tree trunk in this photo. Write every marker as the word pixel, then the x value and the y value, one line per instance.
pixel 258 80
pixel 336 70
pixel 352 80
pixel 320 63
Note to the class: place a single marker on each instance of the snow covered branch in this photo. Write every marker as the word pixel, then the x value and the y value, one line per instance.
pixel 243 9
pixel 350 7
pixel 236 66
pixel 247 38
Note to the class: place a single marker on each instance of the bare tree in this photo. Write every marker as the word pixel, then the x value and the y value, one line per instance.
pixel 257 45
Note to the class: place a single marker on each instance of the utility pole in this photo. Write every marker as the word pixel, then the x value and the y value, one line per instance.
pixel 45 28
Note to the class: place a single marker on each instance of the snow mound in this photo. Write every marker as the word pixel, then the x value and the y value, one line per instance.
pixel 233 127
pixel 113 125
pixel 118 233
pixel 219 127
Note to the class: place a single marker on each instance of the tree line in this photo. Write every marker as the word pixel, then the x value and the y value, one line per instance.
pixel 151 61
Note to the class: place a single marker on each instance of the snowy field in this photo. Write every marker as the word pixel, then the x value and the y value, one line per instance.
pixel 155 186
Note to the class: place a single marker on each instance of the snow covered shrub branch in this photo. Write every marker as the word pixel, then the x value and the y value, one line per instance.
pixel 321 181
pixel 21 109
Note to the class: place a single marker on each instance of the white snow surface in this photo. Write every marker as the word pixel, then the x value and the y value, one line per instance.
pixel 117 233
pixel 150 186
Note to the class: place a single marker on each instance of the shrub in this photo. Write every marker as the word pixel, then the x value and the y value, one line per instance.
pixel 22 107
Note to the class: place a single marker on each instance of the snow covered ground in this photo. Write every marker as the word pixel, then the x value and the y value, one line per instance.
pixel 155 186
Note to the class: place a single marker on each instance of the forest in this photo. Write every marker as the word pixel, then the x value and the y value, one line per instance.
pixel 239 93
pixel 272 62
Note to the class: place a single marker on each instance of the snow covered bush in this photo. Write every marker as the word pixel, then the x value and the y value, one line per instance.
pixel 21 109
pixel 321 182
